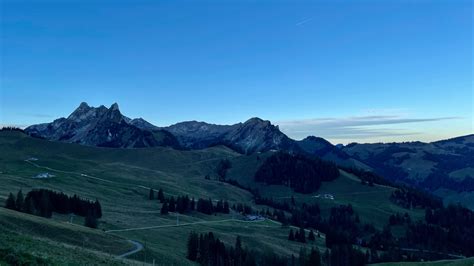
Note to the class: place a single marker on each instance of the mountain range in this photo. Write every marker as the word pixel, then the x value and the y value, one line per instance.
pixel 440 166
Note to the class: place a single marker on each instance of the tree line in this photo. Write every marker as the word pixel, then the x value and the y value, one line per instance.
pixel 43 202
pixel 411 198
pixel 184 204
pixel 301 173
pixel 207 249
pixel 9 128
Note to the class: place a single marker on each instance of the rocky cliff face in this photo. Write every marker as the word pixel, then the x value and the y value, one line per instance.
pixel 103 127
pixel 254 135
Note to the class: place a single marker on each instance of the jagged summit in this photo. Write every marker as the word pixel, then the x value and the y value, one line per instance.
pixel 102 126
pixel 114 106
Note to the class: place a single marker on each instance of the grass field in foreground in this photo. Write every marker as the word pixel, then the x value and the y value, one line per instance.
pixel 461 262
pixel 30 240
pixel 120 179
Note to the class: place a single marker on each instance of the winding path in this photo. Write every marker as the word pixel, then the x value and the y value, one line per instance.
pixel 137 247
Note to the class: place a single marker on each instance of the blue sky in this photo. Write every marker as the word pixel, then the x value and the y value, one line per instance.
pixel 363 71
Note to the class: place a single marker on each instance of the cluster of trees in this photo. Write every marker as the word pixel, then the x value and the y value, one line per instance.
pixel 444 231
pixel 44 202
pixel 11 129
pixel 399 219
pixel 207 207
pixel 411 198
pixel 346 255
pixel 159 196
pixel 299 172
pixel 343 226
pixel 300 235
pixel 448 229
pixel 183 204
pixel 243 208
pixel 441 179
pixel 367 177
pixel 308 215
pixel 207 249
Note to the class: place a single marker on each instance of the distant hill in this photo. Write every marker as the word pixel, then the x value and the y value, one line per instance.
pixel 440 166
pixel 324 149
pixel 445 167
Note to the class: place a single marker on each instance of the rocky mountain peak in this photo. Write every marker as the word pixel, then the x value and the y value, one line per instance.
pixel 83 105
pixel 82 112
pixel 114 107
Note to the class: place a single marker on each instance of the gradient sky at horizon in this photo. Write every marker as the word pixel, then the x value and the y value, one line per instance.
pixel 364 71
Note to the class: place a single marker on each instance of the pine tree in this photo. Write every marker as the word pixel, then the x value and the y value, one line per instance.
pixel 29 206
pixel 91 220
pixel 164 208
pixel 171 205
pixel 45 209
pixel 20 201
pixel 152 194
pixel 302 257
pixel 192 206
pixel 97 208
pixel 226 207
pixel 10 203
pixel 239 253
pixel 302 235
pixel 314 258
pixel 161 196
pixel 193 245
pixel 291 235
pixel 311 236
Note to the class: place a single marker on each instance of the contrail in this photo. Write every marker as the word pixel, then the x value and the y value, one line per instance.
pixel 303 21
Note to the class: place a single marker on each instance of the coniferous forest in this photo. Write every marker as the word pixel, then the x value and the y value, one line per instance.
pixel 44 202
pixel 299 172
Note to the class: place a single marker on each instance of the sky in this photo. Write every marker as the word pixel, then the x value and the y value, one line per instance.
pixel 348 71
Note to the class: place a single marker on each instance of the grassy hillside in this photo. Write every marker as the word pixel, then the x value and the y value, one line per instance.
pixel 462 262
pixel 121 178
pixel 28 239
pixel 371 202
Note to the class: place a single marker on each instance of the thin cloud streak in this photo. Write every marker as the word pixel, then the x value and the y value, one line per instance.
pixel 303 21
pixel 353 128
pixel 37 115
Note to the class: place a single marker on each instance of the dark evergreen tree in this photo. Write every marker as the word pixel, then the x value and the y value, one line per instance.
pixel 161 196
pixel 291 235
pixel 311 236
pixel 29 206
pixel 10 203
pixel 192 205
pixel 45 208
pixel 314 258
pixel 98 209
pixel 20 201
pixel 226 207
pixel 91 219
pixel 302 235
pixel 164 208
pixel 193 246
pixel 171 204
